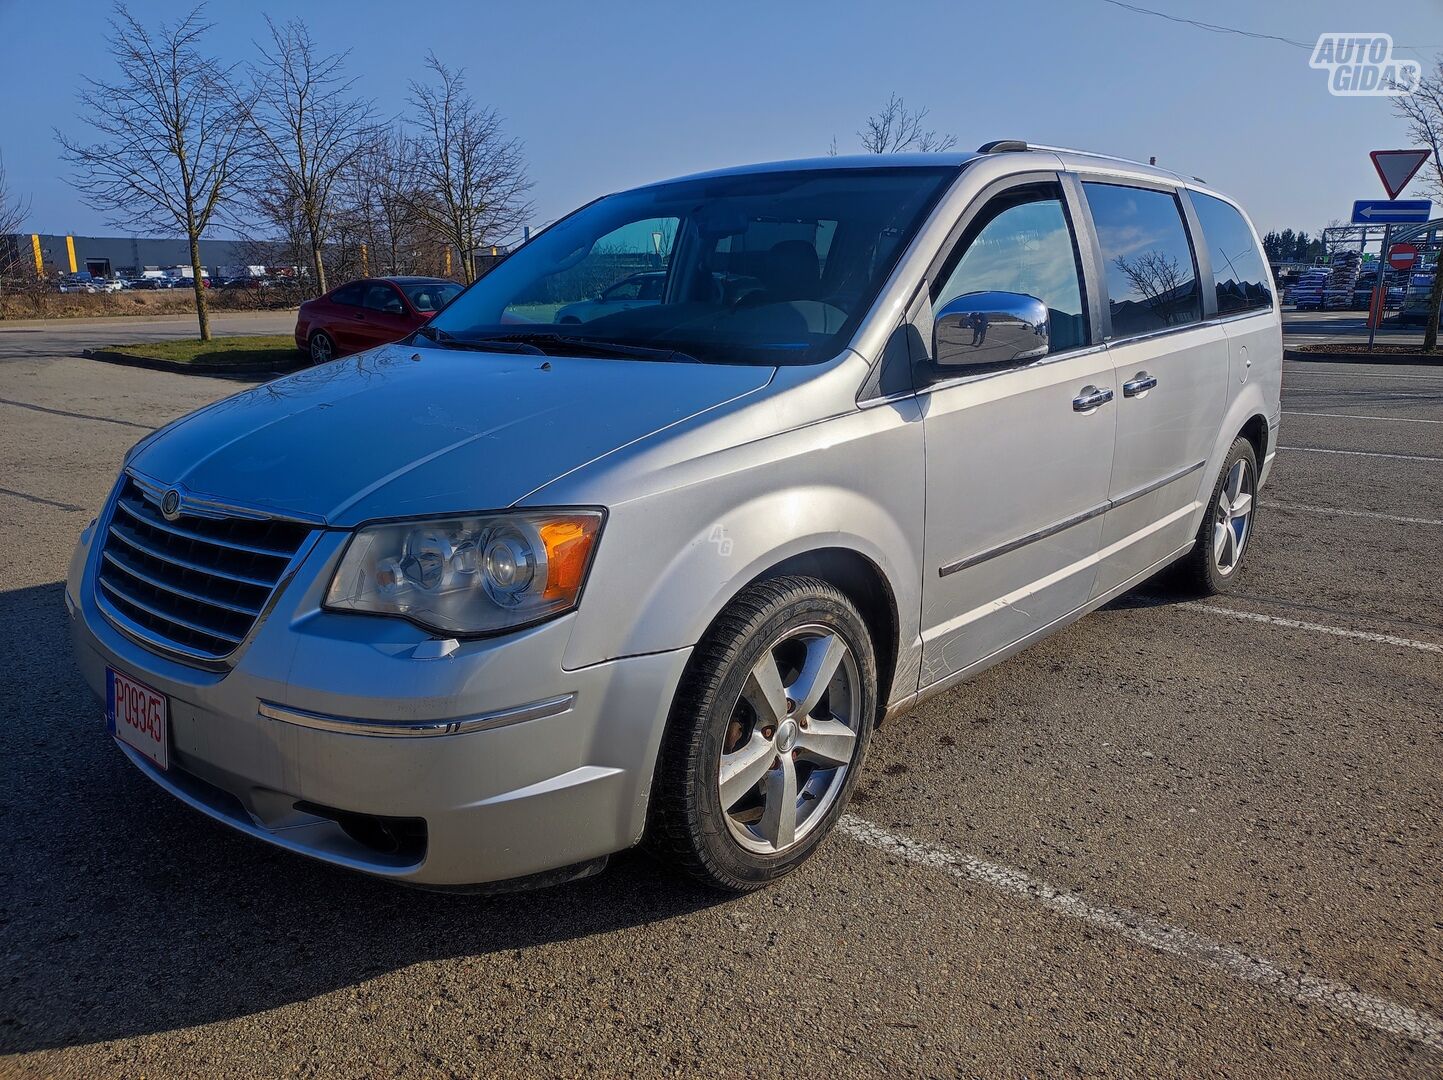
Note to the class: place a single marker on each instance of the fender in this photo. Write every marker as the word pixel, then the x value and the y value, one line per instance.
pixel 676 553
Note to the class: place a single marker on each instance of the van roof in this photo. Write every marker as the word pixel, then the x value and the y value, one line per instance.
pixel 1070 159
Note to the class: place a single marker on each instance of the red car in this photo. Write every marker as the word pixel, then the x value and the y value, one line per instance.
pixel 369 312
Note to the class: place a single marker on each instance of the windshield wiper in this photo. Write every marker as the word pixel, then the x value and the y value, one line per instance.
pixel 554 344
pixel 450 341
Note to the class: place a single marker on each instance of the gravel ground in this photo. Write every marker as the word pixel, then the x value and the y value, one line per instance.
pixel 1170 841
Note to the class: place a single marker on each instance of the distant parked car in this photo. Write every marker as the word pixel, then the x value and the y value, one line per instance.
pixel 639 290
pixel 149 283
pixel 81 282
pixel 369 312
pixel 1414 311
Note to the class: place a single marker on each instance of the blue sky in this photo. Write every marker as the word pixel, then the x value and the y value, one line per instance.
pixel 606 96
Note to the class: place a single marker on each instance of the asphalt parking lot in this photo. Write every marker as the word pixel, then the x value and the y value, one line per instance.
pixel 1176 839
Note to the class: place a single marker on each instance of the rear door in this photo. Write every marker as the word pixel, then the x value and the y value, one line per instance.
pixel 1170 367
pixel 1017 460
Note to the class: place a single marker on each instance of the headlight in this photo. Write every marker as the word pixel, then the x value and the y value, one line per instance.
pixel 469 575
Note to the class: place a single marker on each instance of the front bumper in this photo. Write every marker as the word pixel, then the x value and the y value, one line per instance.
pixel 544 768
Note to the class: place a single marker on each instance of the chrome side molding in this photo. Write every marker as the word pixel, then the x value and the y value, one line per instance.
pixel 1066 523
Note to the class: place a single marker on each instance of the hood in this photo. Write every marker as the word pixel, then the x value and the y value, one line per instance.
pixel 407 431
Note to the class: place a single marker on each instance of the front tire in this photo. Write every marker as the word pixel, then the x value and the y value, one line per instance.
pixel 767 735
pixel 1212 566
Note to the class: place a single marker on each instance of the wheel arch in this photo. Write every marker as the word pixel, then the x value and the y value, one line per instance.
pixel 1255 430
pixel 863 583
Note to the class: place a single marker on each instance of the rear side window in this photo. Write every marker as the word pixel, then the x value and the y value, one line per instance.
pixel 1241 274
pixel 349 294
pixel 1151 278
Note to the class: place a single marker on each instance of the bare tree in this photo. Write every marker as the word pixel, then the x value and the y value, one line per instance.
pixel 1422 111
pixel 896 128
pixel 13 211
pixel 308 127
pixel 377 200
pixel 170 152
pixel 469 178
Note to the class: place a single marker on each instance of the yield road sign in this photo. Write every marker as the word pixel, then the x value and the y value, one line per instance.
pixel 1388 211
pixel 1396 168
pixel 1402 256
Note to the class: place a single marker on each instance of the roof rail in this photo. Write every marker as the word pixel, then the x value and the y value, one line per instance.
pixel 1002 146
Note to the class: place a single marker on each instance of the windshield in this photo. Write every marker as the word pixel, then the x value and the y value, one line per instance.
pixel 757 268
pixel 430 295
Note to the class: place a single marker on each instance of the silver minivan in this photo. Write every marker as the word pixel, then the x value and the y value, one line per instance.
pixel 495 602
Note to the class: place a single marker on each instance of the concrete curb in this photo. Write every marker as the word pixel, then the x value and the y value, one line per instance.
pixel 71 321
pixel 1434 358
pixel 153 363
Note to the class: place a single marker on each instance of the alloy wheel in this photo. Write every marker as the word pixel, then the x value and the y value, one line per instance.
pixel 1233 517
pixel 322 351
pixel 790 740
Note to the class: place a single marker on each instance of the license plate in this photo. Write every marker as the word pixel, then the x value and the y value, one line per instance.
pixel 136 715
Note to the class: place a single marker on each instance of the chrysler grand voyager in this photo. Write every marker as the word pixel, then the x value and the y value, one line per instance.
pixel 492 603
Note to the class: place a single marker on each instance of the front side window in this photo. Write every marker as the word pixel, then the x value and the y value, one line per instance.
pixel 1239 270
pixel 630 289
pixel 1151 278
pixel 751 268
pixel 381 297
pixel 1022 243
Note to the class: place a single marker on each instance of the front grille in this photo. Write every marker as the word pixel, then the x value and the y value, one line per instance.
pixel 196 584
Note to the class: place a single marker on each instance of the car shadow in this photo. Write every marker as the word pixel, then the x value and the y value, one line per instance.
pixel 124 913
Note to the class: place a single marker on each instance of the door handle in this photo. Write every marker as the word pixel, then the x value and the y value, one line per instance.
pixel 1139 384
pixel 1091 398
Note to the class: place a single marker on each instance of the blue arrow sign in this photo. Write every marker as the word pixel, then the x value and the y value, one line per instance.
pixel 1384 211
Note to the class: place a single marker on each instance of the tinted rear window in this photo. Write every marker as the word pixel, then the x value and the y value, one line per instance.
pixel 1151 279
pixel 1239 270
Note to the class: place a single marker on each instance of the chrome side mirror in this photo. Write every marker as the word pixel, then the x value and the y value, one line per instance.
pixel 990 329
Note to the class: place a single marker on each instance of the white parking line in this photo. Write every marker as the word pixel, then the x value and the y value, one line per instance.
pixel 1155 934
pixel 1362 453
pixel 1352 513
pixel 1317 628
pixel 1358 416
pixel 1295 372
pixel 1294 394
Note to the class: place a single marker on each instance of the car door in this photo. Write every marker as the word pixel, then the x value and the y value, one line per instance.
pixel 1171 370
pixel 384 314
pixel 343 318
pixel 1018 459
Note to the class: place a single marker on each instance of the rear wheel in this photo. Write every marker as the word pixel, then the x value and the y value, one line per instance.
pixel 323 348
pixel 1212 565
pixel 767 734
